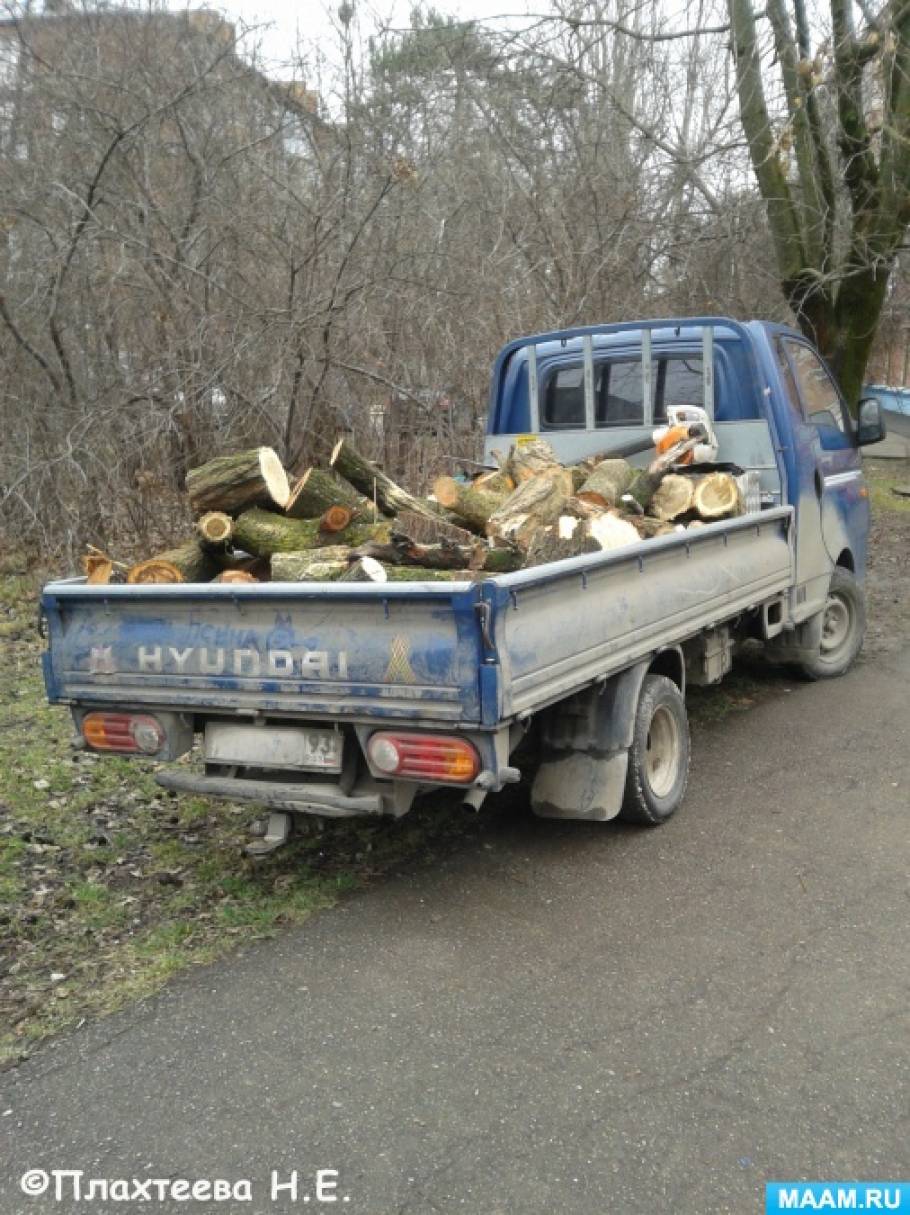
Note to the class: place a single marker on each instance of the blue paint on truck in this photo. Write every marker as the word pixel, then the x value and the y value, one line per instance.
pixel 543 649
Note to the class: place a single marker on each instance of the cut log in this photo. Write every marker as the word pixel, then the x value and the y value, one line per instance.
pixel 648 527
pixel 365 569
pixel 422 530
pixel 641 488
pixel 474 506
pixel 98 569
pixel 313 565
pixel 373 483
pixel 413 573
pixel 610 531
pixel 230 483
pixel 262 533
pixel 317 491
pixel 527 460
pixel 215 529
pixel 673 497
pixel 559 541
pixel 717 496
pixel 537 502
pixel 188 563
pixel 610 479
pixel 588 506
pixel 445 556
pixel 236 576
pixel 496 481
pixel 336 519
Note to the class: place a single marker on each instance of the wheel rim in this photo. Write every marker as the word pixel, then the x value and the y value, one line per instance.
pixel 836 624
pixel 662 751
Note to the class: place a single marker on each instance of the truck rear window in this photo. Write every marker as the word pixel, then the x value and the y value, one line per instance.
pixel 618 392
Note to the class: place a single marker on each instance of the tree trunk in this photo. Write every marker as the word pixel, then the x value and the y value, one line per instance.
pixel 230 483
pixel 474 506
pixel 314 565
pixel 236 576
pixel 445 556
pixel 188 563
pixel 527 460
pixel 716 496
pixel 317 491
pixel 373 483
pixel 336 519
pixel 262 533
pixel 673 497
pixel 215 529
pixel 422 530
pixel 537 502
pixel 610 480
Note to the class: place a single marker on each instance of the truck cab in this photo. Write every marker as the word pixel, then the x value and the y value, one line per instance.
pixel 775 407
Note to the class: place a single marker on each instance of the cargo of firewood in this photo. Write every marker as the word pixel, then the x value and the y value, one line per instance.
pixel 351 522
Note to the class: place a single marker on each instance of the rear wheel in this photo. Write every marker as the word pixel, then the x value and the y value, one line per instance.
pixel 658 769
pixel 843 628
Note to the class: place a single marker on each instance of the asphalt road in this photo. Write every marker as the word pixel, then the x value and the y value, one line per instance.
pixel 561 1019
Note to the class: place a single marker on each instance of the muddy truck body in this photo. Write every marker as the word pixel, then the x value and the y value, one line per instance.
pixel 344 699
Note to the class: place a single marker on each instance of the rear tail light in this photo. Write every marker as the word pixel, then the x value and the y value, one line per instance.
pixel 431 757
pixel 131 733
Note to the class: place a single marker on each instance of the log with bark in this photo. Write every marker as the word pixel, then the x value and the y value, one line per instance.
pixel 445 556
pixel 527 460
pixel 231 483
pixel 318 491
pixel 263 533
pixel 336 519
pixel 609 479
pixel 673 497
pixel 717 496
pixel 314 565
pixel 365 569
pixel 473 505
pixel 373 483
pixel 98 569
pixel 189 562
pixel 566 538
pixel 215 529
pixel 536 502
pixel 239 576
pixel 422 530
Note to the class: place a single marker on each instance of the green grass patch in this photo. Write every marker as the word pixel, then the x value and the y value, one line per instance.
pixel 109 886
pixel 882 477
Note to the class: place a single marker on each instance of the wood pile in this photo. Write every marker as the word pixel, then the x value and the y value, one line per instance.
pixel 350 522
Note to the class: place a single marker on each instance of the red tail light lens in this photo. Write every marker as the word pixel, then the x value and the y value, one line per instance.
pixel 131 733
pixel 431 757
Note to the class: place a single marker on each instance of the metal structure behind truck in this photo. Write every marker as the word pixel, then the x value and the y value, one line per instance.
pixel 348 699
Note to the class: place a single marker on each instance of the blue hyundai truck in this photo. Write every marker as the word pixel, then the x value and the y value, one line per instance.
pixel 344 699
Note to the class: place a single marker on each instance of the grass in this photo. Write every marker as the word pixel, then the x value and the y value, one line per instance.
pixel 110 886
pixel 882 476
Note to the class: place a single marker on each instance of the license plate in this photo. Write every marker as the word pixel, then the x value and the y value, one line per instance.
pixel 305 747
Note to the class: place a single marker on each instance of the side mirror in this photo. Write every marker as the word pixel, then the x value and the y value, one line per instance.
pixel 870 424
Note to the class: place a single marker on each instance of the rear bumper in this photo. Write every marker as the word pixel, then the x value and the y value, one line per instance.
pixel 315 798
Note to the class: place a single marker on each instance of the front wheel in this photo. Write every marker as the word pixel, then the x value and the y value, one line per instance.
pixel 843 628
pixel 658 769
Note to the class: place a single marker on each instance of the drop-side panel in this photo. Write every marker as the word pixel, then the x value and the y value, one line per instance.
pixel 594 615
pixel 332 651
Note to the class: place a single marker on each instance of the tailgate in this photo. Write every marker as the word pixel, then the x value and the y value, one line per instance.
pixel 409 651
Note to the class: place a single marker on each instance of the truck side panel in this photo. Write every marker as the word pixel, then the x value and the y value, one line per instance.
pixel 557 631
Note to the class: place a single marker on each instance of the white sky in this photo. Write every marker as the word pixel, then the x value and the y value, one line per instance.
pixel 284 23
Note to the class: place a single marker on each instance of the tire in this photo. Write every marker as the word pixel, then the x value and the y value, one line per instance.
pixel 658 770
pixel 843 629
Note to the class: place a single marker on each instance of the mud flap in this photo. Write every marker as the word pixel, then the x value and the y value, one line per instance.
pixel 580 785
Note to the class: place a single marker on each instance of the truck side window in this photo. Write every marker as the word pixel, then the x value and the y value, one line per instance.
pixel 618 394
pixel 818 392
pixel 563 405
pixel 677 381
